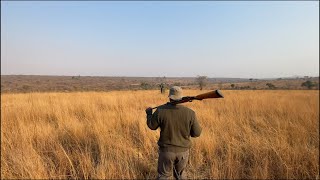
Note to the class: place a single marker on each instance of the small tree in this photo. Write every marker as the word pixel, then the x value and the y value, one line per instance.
pixel 270 86
pixel 232 86
pixel 162 88
pixel 201 81
pixel 308 84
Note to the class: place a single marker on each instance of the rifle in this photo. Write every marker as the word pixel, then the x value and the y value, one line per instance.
pixel 211 94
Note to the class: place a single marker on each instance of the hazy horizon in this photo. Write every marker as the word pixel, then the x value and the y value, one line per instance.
pixel 295 76
pixel 156 39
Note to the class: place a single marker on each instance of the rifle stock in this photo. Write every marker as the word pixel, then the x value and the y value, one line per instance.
pixel 211 94
pixel 208 95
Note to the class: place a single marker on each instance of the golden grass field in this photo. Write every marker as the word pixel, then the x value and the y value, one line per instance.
pixel 248 134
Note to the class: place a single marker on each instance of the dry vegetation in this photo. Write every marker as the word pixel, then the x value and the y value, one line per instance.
pixel 248 134
pixel 36 83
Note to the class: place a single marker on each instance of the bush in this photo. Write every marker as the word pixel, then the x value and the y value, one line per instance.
pixel 145 85
pixel 271 86
pixel 308 84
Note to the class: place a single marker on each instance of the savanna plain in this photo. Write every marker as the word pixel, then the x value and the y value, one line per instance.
pixel 256 134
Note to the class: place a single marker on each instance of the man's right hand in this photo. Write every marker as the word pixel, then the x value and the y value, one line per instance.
pixel 149 111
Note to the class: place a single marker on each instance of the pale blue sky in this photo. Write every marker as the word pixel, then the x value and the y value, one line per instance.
pixel 180 38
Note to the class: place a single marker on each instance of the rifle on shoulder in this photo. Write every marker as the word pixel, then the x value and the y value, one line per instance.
pixel 208 95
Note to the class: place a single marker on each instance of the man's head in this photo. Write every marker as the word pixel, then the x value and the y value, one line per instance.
pixel 175 93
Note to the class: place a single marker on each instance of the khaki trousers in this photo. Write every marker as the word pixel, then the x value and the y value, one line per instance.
pixel 175 162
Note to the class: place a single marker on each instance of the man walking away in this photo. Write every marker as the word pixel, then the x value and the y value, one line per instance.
pixel 177 123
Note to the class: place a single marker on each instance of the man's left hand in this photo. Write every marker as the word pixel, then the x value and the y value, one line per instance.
pixel 149 111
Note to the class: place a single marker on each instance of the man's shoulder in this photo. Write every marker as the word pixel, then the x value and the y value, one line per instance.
pixel 166 106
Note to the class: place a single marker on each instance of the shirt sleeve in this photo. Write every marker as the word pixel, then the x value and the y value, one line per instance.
pixel 152 120
pixel 195 127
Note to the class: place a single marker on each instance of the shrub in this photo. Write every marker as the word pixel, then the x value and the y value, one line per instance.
pixel 271 86
pixel 308 84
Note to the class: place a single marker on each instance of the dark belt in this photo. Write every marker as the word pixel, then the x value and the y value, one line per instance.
pixel 173 149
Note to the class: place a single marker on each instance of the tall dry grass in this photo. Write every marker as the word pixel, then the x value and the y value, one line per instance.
pixel 248 134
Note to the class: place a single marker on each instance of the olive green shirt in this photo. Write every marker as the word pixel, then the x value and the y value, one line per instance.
pixel 177 123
